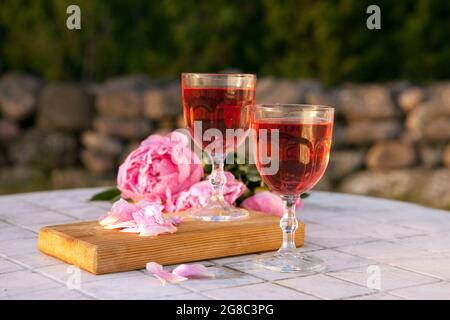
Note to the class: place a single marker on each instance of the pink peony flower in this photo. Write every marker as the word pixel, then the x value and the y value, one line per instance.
pixel 198 194
pixel 159 170
pixel 267 202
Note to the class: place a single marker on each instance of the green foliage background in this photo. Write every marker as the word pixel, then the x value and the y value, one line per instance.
pixel 324 39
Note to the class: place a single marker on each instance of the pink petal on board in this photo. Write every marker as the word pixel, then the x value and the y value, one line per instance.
pixel 121 212
pixel 130 230
pixel 176 220
pixel 164 276
pixel 121 225
pixel 106 220
pixel 195 270
pixel 154 230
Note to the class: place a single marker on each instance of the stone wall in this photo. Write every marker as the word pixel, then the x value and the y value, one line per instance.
pixel 390 140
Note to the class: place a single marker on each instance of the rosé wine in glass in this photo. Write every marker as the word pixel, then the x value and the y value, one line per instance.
pixel 298 139
pixel 216 108
pixel 303 153
pixel 215 114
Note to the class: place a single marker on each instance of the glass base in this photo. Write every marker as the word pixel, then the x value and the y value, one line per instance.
pixel 291 262
pixel 218 212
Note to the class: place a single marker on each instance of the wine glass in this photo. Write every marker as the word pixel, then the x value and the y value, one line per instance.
pixel 291 146
pixel 214 112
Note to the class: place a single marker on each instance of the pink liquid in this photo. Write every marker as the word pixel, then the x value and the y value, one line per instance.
pixel 303 153
pixel 216 108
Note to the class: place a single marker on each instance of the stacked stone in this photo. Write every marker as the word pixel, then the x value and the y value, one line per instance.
pixel 128 109
pixel 18 104
pixel 390 140
pixel 406 134
pixel 371 132
pixel 58 135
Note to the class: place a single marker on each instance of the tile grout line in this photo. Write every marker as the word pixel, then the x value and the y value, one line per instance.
pixel 34 270
pixel 300 291
pixel 347 245
pixel 395 295
pixel 178 284
pixel 390 264
pixel 7 222
pixel 416 285
pixel 14 224
pixel 386 291
pixel 236 286
pixel 347 281
pixel 365 295
pixel 253 275
pixel 417 272
pixel 341 229
pixel 58 210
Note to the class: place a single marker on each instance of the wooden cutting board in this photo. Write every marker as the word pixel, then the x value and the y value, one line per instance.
pixel 99 251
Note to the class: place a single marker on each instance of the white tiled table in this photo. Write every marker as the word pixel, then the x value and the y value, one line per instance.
pixel 407 245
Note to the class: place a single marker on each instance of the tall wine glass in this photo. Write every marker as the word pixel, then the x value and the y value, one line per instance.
pixel 292 147
pixel 215 114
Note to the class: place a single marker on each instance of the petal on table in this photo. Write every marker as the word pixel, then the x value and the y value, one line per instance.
pixel 162 275
pixel 195 270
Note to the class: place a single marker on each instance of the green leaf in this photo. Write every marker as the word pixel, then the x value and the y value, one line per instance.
pixel 243 168
pixel 253 177
pixel 116 198
pixel 207 168
pixel 229 167
pixel 107 195
pixel 248 193
pixel 261 189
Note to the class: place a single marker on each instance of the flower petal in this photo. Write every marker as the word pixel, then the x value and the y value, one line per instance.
pixel 120 216
pixel 269 203
pixel 176 220
pixel 195 270
pixel 130 230
pixel 265 202
pixel 121 225
pixel 154 230
pixel 164 276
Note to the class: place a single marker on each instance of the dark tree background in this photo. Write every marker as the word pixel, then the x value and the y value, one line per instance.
pixel 327 40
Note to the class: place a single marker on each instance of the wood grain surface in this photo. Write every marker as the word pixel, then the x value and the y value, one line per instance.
pixel 100 251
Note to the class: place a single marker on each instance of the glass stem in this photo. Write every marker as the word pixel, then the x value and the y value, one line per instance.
pixel 217 179
pixel 288 224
